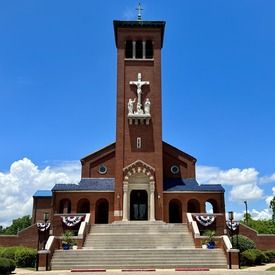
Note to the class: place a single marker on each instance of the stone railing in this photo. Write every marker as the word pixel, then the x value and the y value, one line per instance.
pixel 44 257
pixel 232 255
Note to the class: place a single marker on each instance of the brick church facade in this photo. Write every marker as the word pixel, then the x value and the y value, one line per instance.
pixel 139 176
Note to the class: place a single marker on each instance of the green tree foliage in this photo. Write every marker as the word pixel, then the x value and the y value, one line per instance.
pixel 243 243
pixel 16 226
pixel 261 226
pixel 272 206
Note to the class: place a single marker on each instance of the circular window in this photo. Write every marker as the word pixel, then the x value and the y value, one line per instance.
pixel 102 169
pixel 175 169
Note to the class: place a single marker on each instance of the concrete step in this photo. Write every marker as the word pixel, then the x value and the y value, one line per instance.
pixel 138 245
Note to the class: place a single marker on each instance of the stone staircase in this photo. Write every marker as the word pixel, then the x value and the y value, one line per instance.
pixel 137 245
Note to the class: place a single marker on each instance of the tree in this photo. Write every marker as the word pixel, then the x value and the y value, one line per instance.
pixel 272 206
pixel 17 225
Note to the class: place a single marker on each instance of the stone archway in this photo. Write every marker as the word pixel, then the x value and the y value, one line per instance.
pixel 139 176
pixel 175 211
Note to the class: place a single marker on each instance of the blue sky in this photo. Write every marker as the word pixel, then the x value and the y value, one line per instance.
pixel 58 91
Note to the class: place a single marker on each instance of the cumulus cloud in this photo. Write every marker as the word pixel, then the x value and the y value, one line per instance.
pixel 245 183
pixel 22 180
pixel 233 176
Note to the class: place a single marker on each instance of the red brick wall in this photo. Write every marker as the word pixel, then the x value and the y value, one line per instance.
pixel 202 198
pixel 173 156
pixel 93 197
pixel 40 206
pixel 27 237
pixel 91 162
pixel 126 135
pixel 262 241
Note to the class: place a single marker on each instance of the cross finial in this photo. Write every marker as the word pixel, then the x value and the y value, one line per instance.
pixel 139 9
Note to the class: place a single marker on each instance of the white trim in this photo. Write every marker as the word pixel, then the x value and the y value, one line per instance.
pixel 85 191
pixel 218 192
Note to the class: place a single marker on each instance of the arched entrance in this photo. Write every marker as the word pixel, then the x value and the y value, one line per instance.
pixel 138 192
pixel 175 212
pixel 138 205
pixel 83 206
pixel 193 206
pixel 102 211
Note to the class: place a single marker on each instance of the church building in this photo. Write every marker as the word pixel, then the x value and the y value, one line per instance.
pixel 139 177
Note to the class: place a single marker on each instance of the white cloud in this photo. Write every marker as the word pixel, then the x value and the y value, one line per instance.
pixel 24 178
pixel 244 183
pixel 233 176
pixel 246 192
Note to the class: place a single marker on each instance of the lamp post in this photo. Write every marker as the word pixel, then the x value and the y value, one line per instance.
pixel 231 218
pixel 246 219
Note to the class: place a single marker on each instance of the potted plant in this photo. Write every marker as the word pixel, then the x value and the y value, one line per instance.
pixel 67 240
pixel 210 242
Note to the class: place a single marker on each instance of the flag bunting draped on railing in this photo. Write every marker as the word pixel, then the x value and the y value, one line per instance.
pixel 43 226
pixel 71 220
pixel 205 220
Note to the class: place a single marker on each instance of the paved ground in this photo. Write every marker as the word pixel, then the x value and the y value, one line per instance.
pixel 257 270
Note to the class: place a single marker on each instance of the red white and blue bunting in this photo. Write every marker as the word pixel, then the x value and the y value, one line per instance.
pixel 43 226
pixel 205 220
pixel 71 220
pixel 234 226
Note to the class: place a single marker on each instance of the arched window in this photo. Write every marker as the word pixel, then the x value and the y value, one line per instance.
pixel 102 211
pixel 149 49
pixel 211 206
pixel 65 206
pixel 129 49
pixel 175 211
pixel 83 206
pixel 139 50
pixel 193 206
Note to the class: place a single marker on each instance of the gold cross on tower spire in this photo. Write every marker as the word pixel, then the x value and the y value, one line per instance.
pixel 139 9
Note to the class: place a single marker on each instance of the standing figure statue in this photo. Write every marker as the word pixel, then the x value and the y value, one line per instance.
pixel 139 109
pixel 147 106
pixel 131 106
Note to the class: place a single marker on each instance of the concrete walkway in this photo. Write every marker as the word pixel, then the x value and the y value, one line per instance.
pixel 256 270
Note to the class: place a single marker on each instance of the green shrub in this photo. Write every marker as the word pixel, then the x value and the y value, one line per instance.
pixel 8 252
pixel 252 257
pixel 269 254
pixel 12 265
pixel 248 257
pixel 6 266
pixel 243 243
pixel 25 257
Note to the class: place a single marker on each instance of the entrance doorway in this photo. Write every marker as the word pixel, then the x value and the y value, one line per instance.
pixel 102 211
pixel 138 205
pixel 175 214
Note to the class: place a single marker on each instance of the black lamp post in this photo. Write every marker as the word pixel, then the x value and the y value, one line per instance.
pixel 231 218
pixel 246 218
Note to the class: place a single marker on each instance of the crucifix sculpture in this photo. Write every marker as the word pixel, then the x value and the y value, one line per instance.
pixel 139 83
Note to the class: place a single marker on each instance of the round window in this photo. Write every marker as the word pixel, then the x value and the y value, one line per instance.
pixel 175 169
pixel 102 169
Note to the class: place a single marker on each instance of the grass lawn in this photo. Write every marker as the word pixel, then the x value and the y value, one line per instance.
pixel 271 269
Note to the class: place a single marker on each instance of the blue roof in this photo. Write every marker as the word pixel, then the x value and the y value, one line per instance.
pixel 93 184
pixel 190 185
pixel 43 193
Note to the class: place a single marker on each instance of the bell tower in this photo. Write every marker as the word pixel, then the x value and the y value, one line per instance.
pixel 139 112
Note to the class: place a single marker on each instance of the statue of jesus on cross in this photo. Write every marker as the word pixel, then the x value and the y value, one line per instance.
pixel 139 83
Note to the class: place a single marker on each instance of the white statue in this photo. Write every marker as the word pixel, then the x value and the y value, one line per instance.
pixel 139 109
pixel 131 106
pixel 139 83
pixel 147 106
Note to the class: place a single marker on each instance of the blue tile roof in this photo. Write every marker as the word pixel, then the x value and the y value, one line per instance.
pixel 43 193
pixel 93 184
pixel 190 185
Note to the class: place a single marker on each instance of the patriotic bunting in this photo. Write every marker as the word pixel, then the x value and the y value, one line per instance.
pixel 71 220
pixel 205 220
